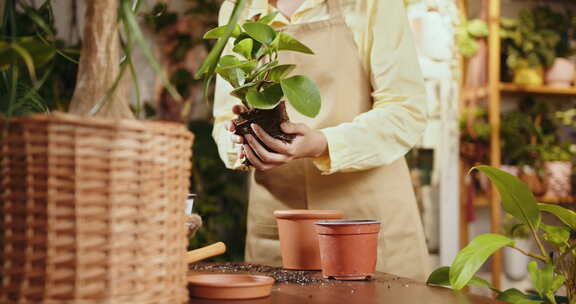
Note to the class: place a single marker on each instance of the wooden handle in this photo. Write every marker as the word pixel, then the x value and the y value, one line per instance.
pixel 205 252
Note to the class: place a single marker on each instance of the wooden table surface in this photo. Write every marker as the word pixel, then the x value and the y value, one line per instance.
pixel 383 288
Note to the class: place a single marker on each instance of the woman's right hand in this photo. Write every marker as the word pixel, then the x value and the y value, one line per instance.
pixel 231 127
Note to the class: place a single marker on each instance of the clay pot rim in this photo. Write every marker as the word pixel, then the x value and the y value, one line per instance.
pixel 229 280
pixel 308 214
pixel 347 222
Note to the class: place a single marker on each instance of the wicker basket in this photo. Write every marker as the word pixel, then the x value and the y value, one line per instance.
pixel 92 210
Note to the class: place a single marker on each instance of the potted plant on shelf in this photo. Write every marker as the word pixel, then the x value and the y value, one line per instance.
pixel 553 264
pixel 529 46
pixel 468 35
pixel 260 81
pixel 557 161
pixel 516 150
pixel 561 73
pixel 514 261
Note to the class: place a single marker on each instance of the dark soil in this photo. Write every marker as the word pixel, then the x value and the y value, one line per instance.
pixel 269 120
pixel 279 274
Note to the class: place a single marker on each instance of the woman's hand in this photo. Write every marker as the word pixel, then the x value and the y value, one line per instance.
pixel 229 125
pixel 307 143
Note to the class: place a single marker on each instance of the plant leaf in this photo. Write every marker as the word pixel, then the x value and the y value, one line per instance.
pixel 556 235
pixel 515 296
pixel 209 65
pixel 545 280
pixel 441 276
pixel 268 99
pixel 220 32
pixel 129 17
pixel 302 94
pixel 235 76
pixel 567 216
pixel 285 42
pixel 240 92
pixel 246 66
pixel 517 199
pixel 244 48
pixel 268 18
pixel 469 259
pixel 260 32
pixel 264 68
pixel 256 46
pixel 279 72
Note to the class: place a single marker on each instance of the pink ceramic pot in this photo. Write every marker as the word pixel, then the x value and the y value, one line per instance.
pixel 561 74
pixel 558 186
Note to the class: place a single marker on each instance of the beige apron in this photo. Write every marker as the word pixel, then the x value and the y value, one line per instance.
pixel 384 193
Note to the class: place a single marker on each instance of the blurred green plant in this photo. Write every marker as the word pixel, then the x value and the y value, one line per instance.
pixel 221 197
pixel 518 150
pixel 556 245
pixel 37 72
pixel 468 34
pixel 514 229
pixel 535 38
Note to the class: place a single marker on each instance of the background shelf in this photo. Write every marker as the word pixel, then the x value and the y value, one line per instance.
pixel 514 88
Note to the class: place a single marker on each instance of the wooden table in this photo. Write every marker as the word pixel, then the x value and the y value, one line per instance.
pixel 382 289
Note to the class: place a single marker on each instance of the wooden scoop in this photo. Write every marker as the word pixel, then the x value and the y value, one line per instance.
pixel 205 252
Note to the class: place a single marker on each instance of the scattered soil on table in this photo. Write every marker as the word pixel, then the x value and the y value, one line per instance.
pixel 269 120
pixel 279 274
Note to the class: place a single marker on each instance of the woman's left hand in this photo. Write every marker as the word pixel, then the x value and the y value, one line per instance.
pixel 307 143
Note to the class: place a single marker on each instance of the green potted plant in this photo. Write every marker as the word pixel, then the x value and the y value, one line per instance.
pixel 557 161
pixel 561 73
pixel 514 261
pixel 529 46
pixel 517 151
pixel 552 266
pixel 468 35
pixel 260 81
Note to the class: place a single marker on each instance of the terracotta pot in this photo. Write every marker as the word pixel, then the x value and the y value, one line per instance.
pixel 298 238
pixel 558 183
pixel 561 74
pixel 348 248
pixel 229 286
pixel 529 76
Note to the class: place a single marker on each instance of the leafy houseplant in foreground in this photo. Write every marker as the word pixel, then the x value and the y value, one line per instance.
pixel 553 266
pixel 260 81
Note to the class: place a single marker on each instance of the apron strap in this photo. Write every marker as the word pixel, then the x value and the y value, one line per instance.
pixel 335 9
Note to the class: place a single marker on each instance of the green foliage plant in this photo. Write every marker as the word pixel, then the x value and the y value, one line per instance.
pixel 552 267
pixel 518 150
pixel 259 80
pixel 535 38
pixel 468 34
pixel 31 59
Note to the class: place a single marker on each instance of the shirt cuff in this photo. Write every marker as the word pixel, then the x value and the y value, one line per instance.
pixel 328 163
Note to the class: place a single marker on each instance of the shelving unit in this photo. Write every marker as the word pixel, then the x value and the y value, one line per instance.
pixel 494 91
pixel 514 88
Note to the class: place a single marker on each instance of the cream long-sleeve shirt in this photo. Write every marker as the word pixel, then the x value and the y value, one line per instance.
pixel 386 48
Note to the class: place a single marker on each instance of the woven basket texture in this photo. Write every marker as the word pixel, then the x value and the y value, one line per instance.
pixel 92 210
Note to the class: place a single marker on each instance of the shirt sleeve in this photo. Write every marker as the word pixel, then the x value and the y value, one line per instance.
pixel 399 114
pixel 223 103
